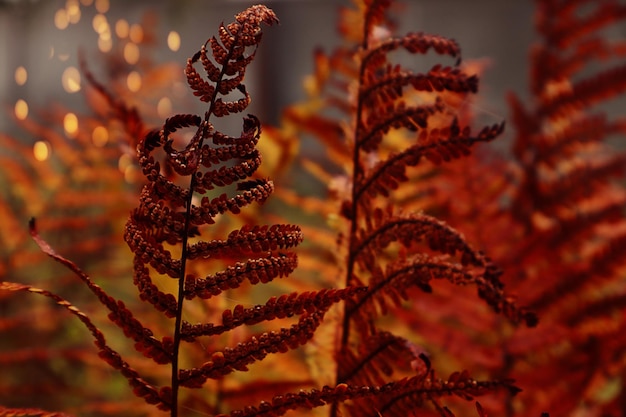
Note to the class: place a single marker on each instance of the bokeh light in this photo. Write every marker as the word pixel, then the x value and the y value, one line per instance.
pixel 71 80
pixel 131 53
pixel 41 150
pixel 122 28
pixel 133 81
pixel 124 162
pixel 173 41
pixel 61 19
pixel 102 6
pixel 105 45
pixel 131 174
pixel 21 109
pixel 70 124
pixel 164 107
pixel 21 75
pixel 100 24
pixel 100 136
pixel 127 167
pixel 73 11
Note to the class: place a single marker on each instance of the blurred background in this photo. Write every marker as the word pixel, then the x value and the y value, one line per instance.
pixel 40 40
pixel 64 157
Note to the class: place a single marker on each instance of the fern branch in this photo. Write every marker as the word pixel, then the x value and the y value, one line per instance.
pixel 29 412
pixel 412 228
pixel 141 388
pixel 445 144
pixel 377 124
pixel 253 270
pixel 402 275
pixel 388 87
pixel 375 357
pixel 237 358
pixel 249 239
pixel 120 315
pixel 237 37
pixel 603 86
pixel 414 389
pixel 276 307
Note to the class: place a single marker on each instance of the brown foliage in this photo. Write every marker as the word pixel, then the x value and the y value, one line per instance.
pixel 381 307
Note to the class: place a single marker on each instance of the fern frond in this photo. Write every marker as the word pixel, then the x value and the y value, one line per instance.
pixel 394 117
pixel 29 412
pixel 401 124
pixel 247 240
pixel 389 86
pixel 602 86
pixel 400 396
pixel 409 229
pixel 169 216
pixel 566 212
pixel 254 271
pixel 605 260
pixel 389 287
pixel 119 314
pixel 140 387
pixel 436 146
pixel 565 142
pixel 378 356
pixel 561 27
pixel 415 43
pixel 578 181
pixel 458 384
pixel 276 307
pixel 256 349
pixel 80 195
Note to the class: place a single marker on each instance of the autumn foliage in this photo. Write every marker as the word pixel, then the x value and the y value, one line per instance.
pixel 436 277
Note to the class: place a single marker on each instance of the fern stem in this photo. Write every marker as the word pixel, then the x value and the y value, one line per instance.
pixel 181 299
pixel 183 256
pixel 353 217
pixel 356 173
pixel 354 207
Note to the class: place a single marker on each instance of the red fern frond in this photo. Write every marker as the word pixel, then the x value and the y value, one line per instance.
pixel 435 145
pixel 141 388
pixel 415 43
pixel 119 314
pixel 387 288
pixel 257 348
pixel 254 271
pixel 410 229
pixel 395 397
pixel 377 357
pixel 275 307
pixel 389 86
pixel 29 412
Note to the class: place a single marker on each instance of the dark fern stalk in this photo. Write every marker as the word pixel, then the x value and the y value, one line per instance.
pixel 235 39
pixel 382 107
pixel 167 213
pixel 424 248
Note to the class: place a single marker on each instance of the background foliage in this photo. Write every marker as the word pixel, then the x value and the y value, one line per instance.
pixel 550 214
